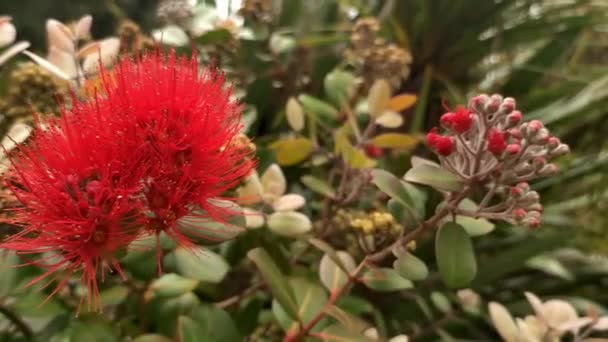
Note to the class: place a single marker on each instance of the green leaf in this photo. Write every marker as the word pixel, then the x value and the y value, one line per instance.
pixel 310 299
pixel 292 151
pixel 392 186
pixel 275 280
pixel 455 255
pixel 319 109
pixel 441 302
pixel 151 338
pixel 349 321
pixel 385 279
pixel 200 264
pixel 172 285
pixel 330 252
pixel 289 223
pixel 337 333
pixel 339 86
pixel 332 276
pixel 473 226
pixel 204 230
pixel 30 305
pixel 93 331
pixel 114 295
pixel 434 177
pixel 9 273
pixel 550 265
pixel 216 324
pixel 410 267
pixel 318 185
pixel 214 37
pixel 188 330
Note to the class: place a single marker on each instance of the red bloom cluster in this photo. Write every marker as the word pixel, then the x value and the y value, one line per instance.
pixel 496 141
pixel 156 145
pixel 488 142
pixel 443 145
pixel 459 121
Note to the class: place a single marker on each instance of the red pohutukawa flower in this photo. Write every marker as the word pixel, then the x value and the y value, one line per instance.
pixel 190 125
pixel 77 205
pixel 158 143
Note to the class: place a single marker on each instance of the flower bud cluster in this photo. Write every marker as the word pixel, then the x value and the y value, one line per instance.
pixel 488 143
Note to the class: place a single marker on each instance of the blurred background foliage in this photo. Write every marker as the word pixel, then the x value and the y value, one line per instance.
pixel 551 55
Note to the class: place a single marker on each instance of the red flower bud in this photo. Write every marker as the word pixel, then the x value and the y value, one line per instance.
pixel 496 141
pixel 513 149
pixel 447 120
pixel 515 133
pixel 432 136
pixel 373 151
pixel 534 126
pixel 461 120
pixel 553 142
pixel 445 146
pixel 519 214
pixel 514 118
pixel 508 105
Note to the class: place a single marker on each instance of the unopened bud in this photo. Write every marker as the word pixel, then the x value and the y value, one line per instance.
pixel 536 207
pixel 478 102
pixel 508 105
pixel 548 170
pixel 532 222
pixel 519 214
pixel 560 150
pixel 524 186
pixel 533 128
pixel 523 168
pixel 538 163
pixel 553 143
pixel 530 198
pixel 515 133
pixel 493 104
pixel 514 118
pixel 541 137
pixel 446 120
pixel 513 149
pixel 516 192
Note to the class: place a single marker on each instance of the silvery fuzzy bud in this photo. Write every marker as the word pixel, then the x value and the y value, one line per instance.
pixel 553 143
pixel 532 129
pixel 541 137
pixel 514 132
pixel 524 186
pixel 478 102
pixel 532 222
pixel 538 163
pixel 548 170
pixel 560 150
pixel 535 207
pixel 523 168
pixel 519 214
pixel 513 119
pixel 508 105
pixel 530 198
pixel 534 213
pixel 493 104
pixel 508 177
